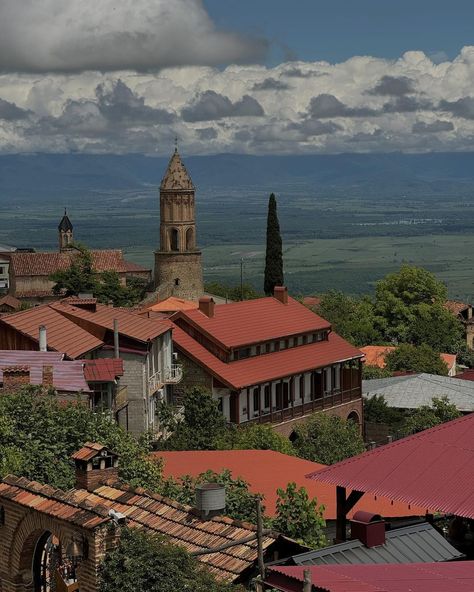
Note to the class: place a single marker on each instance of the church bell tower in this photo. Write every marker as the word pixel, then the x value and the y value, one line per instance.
pixel 65 229
pixel 178 268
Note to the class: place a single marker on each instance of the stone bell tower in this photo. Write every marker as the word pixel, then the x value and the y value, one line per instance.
pixel 65 229
pixel 178 268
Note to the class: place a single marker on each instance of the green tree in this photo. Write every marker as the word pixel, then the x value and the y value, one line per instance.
pixel 370 372
pixel 300 518
pixel 256 437
pixel 240 501
pixel 79 277
pixel 437 327
pixel 425 417
pixel 274 254
pixel 409 358
pixel 327 439
pixel 376 410
pixel 398 297
pixel 233 293
pixel 144 561
pixel 201 427
pixel 351 318
pixel 41 435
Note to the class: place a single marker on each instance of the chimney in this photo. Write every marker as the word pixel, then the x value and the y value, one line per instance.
pixel 43 339
pixel 95 465
pixel 15 377
pixel 206 306
pixel 47 380
pixel 210 500
pixel 369 528
pixel 281 294
pixel 116 340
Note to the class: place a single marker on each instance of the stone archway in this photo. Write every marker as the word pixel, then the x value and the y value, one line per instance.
pixel 354 417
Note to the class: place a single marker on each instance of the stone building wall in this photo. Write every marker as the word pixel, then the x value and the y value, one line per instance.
pixel 179 274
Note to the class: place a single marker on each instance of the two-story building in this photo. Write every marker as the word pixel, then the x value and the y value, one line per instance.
pixel 268 360
pixel 84 329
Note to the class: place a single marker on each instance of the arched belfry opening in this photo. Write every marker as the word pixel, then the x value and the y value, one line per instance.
pixel 178 255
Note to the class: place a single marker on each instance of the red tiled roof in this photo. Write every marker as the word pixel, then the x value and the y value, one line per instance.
pixel 375 355
pixel 103 369
pixel 172 304
pixel 455 306
pixel 130 267
pixel 311 301
pixel 253 321
pixel 88 451
pixel 129 323
pixel 39 264
pixel 265 471
pixel 433 468
pixel 63 335
pixel 466 375
pixel 259 369
pixel 10 301
pixel 457 576
pixel 68 376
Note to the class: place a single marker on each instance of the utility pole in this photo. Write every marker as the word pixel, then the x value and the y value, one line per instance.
pixel 261 564
pixel 308 584
pixel 241 278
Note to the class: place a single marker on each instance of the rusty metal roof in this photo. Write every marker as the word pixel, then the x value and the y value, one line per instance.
pixel 433 469
pixel 415 577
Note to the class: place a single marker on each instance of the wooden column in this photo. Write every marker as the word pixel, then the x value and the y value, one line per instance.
pixel 271 402
pixel 292 395
pixel 344 506
pixel 260 394
pixel 248 404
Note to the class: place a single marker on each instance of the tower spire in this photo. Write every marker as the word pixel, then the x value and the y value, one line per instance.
pixel 65 229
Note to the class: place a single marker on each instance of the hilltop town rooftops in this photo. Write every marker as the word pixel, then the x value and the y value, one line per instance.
pixel 254 321
pixel 266 470
pixel 266 367
pixel 76 331
pixel 68 376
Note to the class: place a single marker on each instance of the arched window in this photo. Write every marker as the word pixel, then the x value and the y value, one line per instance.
pixel 174 239
pixel 189 239
pixel 353 416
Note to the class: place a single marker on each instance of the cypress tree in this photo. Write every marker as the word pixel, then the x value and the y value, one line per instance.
pixel 274 256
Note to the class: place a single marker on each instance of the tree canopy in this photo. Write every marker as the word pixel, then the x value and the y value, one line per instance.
pixel 80 277
pixel 234 293
pixel 144 561
pixel 274 253
pixel 428 416
pixel 327 439
pixel 409 358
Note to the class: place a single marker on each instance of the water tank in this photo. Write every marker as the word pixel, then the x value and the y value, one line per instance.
pixel 210 499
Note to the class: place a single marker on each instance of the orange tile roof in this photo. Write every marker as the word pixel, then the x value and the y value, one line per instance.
pixel 129 323
pixel 455 306
pixel 10 301
pixel 271 366
pixel 63 335
pixel 172 304
pixel 88 451
pixel 311 300
pixel 40 264
pixel 179 523
pixel 253 321
pixel 375 355
pixel 266 471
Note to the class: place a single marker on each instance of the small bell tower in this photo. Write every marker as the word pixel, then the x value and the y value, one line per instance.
pixel 65 229
pixel 178 267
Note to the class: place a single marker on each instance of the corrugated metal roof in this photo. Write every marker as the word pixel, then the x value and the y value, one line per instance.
pixel 434 469
pixel 414 390
pixel 271 366
pixel 68 376
pixel 103 369
pixel 253 321
pixel 266 471
pixel 418 543
pixel 424 577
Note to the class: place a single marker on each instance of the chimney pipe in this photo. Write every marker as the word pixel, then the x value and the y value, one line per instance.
pixel 43 341
pixel 116 340
pixel 206 306
pixel 281 294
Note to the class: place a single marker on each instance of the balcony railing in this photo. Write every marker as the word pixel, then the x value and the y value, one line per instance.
pixel 155 382
pixel 173 374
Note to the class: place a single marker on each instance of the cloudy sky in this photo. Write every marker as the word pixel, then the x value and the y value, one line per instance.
pixel 247 76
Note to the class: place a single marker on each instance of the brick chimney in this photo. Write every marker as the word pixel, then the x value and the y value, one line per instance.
pixel 281 294
pixel 206 306
pixel 369 528
pixel 15 377
pixel 95 465
pixel 47 379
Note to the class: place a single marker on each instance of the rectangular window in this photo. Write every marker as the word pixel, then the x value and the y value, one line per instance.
pixel 256 399
pixel 302 387
pixel 2 270
pixel 267 393
pixel 244 353
pixel 305 339
pixel 277 346
pixel 279 397
pixel 268 347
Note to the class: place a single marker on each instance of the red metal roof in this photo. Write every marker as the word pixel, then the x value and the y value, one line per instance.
pixel 271 366
pixel 253 321
pixel 265 471
pixel 413 577
pixel 68 376
pixel 434 469
pixel 466 375
pixel 63 335
pixel 103 369
pixel 129 323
